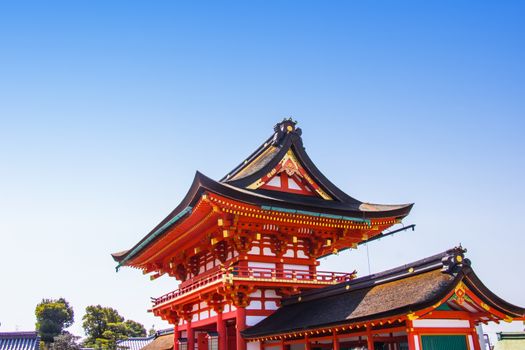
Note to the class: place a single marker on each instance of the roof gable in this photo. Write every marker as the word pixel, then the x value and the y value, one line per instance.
pixel 289 175
pixel 284 152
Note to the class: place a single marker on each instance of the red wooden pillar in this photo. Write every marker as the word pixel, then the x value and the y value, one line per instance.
pixel 411 341
pixel 308 345
pixel 336 341
pixel 369 339
pixel 411 336
pixel 176 336
pixel 221 330
pixel 240 317
pixel 190 336
pixel 474 335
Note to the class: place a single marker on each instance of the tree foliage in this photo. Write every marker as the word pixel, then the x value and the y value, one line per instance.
pixel 104 327
pixel 134 329
pixel 52 316
pixel 66 341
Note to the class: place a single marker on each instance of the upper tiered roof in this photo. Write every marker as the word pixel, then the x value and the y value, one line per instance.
pixel 284 152
pixel 278 176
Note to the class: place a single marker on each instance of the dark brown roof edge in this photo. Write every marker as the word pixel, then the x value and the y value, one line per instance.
pixel 473 282
pixel 444 261
pixel 188 199
pixel 202 183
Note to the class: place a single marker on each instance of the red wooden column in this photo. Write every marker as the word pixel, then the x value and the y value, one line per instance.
pixel 176 336
pixel 308 344
pixel 240 317
pixel 475 337
pixel 336 341
pixel 369 339
pixel 410 336
pixel 221 330
pixel 190 335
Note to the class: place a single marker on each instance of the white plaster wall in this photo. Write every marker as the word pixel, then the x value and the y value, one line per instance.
pixel 267 251
pixel 301 254
pixel 261 264
pixel 270 305
pixel 289 253
pixel 441 323
pixel 255 250
pixel 297 346
pixel 254 305
pixel 254 345
pixel 296 267
pixel 270 293
pixel 257 293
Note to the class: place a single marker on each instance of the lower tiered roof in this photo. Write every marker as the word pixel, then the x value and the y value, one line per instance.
pixel 407 291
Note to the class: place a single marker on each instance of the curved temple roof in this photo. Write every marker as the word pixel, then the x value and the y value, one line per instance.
pixel 399 291
pixel 245 184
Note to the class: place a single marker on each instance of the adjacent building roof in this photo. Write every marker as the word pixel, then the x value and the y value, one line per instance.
pixel 19 341
pixel 134 343
pixel 239 185
pixel 510 341
pixel 162 342
pixel 151 342
pixel 399 291
pixel 511 336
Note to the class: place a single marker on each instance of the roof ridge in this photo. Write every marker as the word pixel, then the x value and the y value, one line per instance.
pixel 281 129
pixel 447 261
pixel 19 333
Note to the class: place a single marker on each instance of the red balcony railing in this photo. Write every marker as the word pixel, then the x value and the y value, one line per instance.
pixel 262 274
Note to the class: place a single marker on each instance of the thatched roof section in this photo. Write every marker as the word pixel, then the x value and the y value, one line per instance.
pixel 162 342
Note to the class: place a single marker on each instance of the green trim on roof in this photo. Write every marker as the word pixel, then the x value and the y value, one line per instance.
pixel 444 307
pixel 311 213
pixel 154 235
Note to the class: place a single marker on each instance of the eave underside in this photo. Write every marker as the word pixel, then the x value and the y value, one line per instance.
pixel 204 186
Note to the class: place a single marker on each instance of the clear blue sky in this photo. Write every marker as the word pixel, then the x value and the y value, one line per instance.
pixel 108 108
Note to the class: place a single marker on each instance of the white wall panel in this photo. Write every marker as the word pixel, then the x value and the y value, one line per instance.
pixel 440 323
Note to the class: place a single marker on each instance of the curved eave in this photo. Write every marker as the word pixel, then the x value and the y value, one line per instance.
pixel 189 199
pixel 465 275
pixel 473 282
pixel 299 202
pixel 119 256
pixel 202 183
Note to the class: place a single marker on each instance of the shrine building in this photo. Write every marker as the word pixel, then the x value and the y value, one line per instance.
pixel 246 252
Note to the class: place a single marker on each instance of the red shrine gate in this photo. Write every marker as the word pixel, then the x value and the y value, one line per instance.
pixel 242 245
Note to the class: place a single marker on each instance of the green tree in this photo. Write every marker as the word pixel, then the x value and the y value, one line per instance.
pixel 52 316
pixel 96 320
pixel 66 341
pixel 134 329
pixel 152 331
pixel 104 327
